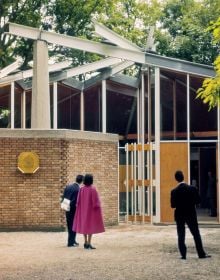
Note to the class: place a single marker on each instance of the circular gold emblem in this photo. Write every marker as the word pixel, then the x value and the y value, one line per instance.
pixel 28 162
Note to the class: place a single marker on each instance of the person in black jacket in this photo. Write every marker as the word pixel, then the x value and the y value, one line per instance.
pixel 184 199
pixel 71 192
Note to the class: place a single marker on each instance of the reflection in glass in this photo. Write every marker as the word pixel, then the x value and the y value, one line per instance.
pixel 18 100
pixel 5 106
pixel 93 108
pixel 68 107
pixel 121 110
pixel 28 97
pixel 203 123
pixel 173 112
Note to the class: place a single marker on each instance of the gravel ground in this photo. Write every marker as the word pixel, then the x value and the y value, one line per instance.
pixel 124 252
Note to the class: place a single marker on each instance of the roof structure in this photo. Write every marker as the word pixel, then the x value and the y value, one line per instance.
pixel 117 57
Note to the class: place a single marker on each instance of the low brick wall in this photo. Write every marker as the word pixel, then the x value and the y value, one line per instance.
pixel 32 201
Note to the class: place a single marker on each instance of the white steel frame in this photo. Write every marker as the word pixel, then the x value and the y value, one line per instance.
pixel 157 217
pixel 10 68
pixel 55 105
pixel 12 105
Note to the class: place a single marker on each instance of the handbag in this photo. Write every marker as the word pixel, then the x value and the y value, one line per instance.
pixel 65 204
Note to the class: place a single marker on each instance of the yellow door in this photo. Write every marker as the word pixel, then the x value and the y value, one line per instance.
pixel 173 156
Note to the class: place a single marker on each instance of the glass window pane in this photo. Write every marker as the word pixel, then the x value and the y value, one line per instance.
pixel 93 109
pixel 28 108
pixel 18 101
pixel 121 110
pixel 152 103
pixel 5 106
pixel 181 107
pixel 203 123
pixel 68 107
pixel 166 106
pixel 51 106
pixel 173 105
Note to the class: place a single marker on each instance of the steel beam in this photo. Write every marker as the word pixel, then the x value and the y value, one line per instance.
pixel 94 66
pixel 112 51
pixel 75 43
pixel 179 65
pixel 114 37
pixel 29 73
pixel 10 68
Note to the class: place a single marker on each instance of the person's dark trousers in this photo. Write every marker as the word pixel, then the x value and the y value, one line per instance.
pixel 194 229
pixel 180 224
pixel 71 233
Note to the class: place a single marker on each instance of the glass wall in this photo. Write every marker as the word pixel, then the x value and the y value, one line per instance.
pixel 18 107
pixel 51 106
pixel 203 123
pixel 28 96
pixel 5 106
pixel 152 103
pixel 68 107
pixel 93 108
pixel 173 110
pixel 121 110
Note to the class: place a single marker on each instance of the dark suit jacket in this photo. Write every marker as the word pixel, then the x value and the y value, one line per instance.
pixel 71 193
pixel 184 198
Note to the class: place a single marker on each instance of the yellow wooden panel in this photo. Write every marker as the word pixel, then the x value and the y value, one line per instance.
pixel 122 178
pixel 139 183
pixel 139 147
pixel 173 156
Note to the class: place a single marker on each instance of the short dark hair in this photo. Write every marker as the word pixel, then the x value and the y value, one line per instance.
pixel 79 179
pixel 88 179
pixel 179 176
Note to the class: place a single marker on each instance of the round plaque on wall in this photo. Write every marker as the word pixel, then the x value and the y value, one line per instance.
pixel 28 162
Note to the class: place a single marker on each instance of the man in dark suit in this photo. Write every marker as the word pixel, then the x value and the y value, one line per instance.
pixel 184 199
pixel 71 193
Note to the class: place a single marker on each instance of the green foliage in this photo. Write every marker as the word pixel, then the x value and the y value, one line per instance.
pixel 26 12
pixel 131 19
pixel 210 90
pixel 4 117
pixel 183 28
pixel 73 18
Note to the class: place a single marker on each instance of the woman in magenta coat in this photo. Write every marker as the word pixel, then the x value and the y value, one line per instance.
pixel 88 217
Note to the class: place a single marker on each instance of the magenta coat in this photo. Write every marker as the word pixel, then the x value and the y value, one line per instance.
pixel 88 217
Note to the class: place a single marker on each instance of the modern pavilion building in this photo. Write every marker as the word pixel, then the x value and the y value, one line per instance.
pixel 132 133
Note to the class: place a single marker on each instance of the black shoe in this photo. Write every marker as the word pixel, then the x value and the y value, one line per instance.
pixel 183 258
pixel 90 247
pixel 76 244
pixel 71 245
pixel 205 256
pixel 86 246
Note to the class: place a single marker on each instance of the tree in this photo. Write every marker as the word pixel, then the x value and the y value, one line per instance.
pixel 182 32
pixel 74 18
pixel 179 24
pixel 131 19
pixel 26 12
pixel 210 90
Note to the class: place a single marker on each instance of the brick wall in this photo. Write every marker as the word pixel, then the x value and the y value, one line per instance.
pixel 32 201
